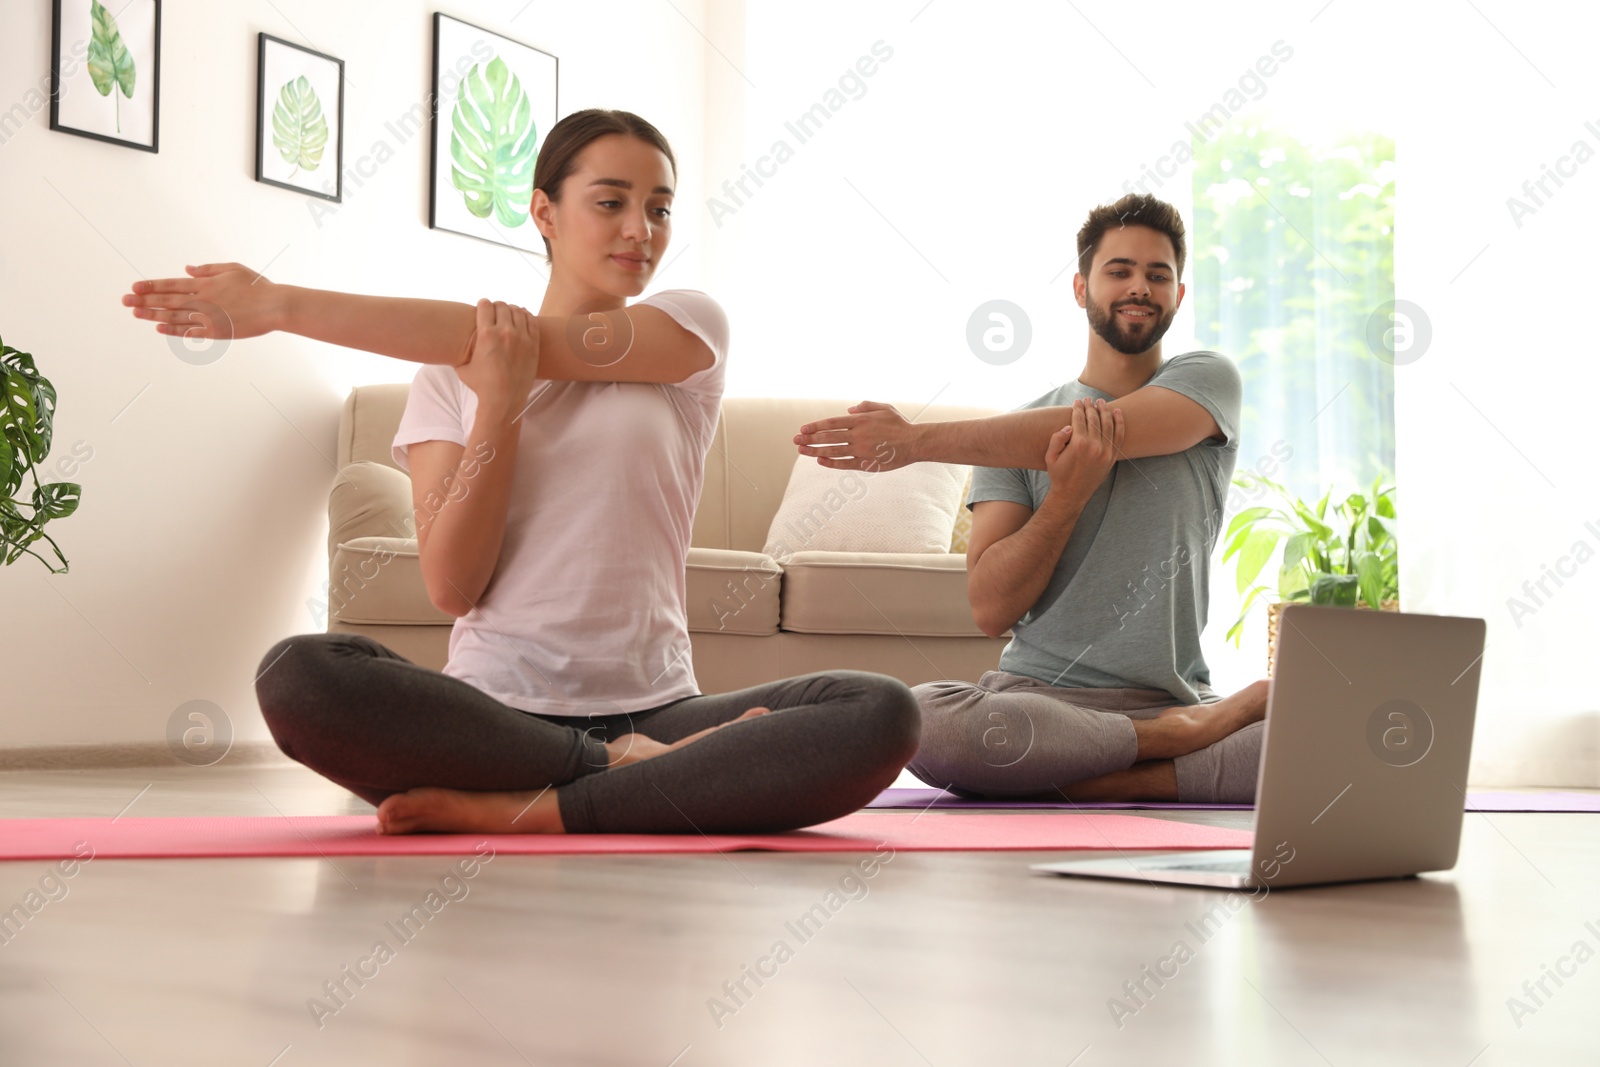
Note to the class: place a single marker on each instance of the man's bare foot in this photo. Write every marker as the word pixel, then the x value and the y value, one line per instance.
pixel 1152 780
pixel 1181 730
pixel 430 809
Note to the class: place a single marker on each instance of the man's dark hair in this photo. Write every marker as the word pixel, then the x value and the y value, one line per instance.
pixel 1135 209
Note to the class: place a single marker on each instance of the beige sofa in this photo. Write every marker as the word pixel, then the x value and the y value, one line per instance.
pixel 750 619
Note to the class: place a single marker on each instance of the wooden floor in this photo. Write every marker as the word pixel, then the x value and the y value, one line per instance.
pixel 948 958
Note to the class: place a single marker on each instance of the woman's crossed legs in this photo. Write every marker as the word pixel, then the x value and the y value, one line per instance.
pixel 435 753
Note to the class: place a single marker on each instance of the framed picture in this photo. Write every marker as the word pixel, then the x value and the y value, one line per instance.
pixel 105 71
pixel 299 119
pixel 494 99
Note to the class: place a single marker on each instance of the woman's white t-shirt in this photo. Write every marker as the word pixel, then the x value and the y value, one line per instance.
pixel 586 611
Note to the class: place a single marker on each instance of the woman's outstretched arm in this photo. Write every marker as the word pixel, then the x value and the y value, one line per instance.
pixel 229 300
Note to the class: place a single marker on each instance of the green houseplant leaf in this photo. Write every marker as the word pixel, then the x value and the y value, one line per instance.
pixel 1294 584
pixel 1245 518
pixel 1344 556
pixel 1255 553
pixel 298 127
pixel 1369 575
pixel 109 60
pixel 1380 530
pixel 492 138
pixel 27 411
pixel 19 412
pixel 1238 627
pixel 1335 590
pixel 10 473
pixel 56 500
pixel 1296 548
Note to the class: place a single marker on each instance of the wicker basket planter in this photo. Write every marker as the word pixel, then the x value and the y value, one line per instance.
pixel 1275 610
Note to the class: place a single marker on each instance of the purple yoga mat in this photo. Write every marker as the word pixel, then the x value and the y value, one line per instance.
pixel 1551 801
pixel 938 798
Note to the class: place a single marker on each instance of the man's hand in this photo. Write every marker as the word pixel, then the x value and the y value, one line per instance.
pixel 1080 456
pixel 873 437
pixel 218 301
pixel 505 359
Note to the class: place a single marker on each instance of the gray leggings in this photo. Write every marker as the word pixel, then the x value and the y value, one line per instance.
pixel 376 723
pixel 1014 736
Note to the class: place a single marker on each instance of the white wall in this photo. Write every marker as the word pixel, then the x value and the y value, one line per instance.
pixel 200 538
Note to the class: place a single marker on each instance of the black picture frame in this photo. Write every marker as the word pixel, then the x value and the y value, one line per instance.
pixel 76 69
pixel 264 160
pixel 440 214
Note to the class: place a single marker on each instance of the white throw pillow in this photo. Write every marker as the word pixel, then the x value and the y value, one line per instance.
pixel 911 509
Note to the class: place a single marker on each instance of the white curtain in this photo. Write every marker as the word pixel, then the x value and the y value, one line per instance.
pixel 1495 417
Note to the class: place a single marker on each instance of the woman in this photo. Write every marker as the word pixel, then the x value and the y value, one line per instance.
pixel 555 463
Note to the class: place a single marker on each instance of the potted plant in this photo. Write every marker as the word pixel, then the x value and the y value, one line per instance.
pixel 27 410
pixel 1348 559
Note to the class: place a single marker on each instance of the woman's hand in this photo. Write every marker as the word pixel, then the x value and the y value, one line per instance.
pixel 218 301
pixel 504 362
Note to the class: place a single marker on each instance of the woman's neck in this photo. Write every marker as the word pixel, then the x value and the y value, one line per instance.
pixel 568 296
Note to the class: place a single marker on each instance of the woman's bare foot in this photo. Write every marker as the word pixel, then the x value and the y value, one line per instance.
pixel 430 809
pixel 459 811
pixel 1181 730
pixel 631 748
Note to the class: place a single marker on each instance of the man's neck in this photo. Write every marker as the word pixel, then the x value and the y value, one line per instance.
pixel 1115 374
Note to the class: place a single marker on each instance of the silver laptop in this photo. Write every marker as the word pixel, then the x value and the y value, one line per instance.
pixel 1363 761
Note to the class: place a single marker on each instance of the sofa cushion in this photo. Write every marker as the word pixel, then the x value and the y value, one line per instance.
pixel 824 509
pixel 921 594
pixel 961 535
pixel 752 456
pixel 379 580
pixel 369 500
pixel 733 592
pixel 371 417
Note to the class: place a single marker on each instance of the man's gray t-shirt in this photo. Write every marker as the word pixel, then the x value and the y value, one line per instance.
pixel 1128 599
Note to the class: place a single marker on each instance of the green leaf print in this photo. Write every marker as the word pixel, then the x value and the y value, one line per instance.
pixel 492 144
pixel 109 61
pixel 298 127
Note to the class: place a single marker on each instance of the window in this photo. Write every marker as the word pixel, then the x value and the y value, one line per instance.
pixel 1292 257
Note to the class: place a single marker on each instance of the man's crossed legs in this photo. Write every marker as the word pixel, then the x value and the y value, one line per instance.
pixel 1014 737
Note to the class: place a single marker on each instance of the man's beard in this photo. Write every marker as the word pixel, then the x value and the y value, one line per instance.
pixel 1110 328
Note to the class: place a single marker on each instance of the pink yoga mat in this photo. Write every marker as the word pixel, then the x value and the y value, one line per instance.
pixel 354 835
pixel 923 799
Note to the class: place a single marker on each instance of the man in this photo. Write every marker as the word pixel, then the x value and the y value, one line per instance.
pixel 1095 510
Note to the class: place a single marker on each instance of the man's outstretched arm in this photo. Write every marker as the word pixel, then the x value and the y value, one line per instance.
pixel 1158 422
